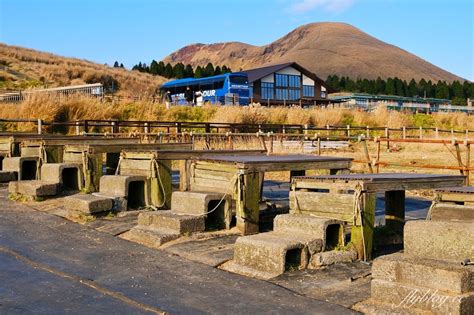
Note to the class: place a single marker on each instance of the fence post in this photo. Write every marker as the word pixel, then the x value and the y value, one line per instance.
pixel 421 133
pixel 348 127
pixel 40 126
pixel 387 136
pixel 86 126
pixel 404 132
pixel 113 126
pixel 271 144
pixel 436 133
pixel 367 132
pixel 468 163
pixel 78 127
pixel 146 128
pixel 305 130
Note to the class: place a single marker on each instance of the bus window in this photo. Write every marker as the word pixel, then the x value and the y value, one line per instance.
pixel 239 80
pixel 218 84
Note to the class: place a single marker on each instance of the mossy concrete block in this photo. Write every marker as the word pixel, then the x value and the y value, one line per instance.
pixel 34 188
pixel 434 274
pixel 150 237
pixel 421 298
pixel 330 231
pixel 117 185
pixel 322 259
pixel 268 255
pixel 7 176
pixel 53 172
pixel 88 204
pixel 439 239
pixel 169 220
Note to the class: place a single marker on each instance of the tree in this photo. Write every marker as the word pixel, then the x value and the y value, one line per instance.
pixel 121 66
pixel 390 87
pixel 154 67
pixel 208 70
pixel 198 73
pixel 412 88
pixel 178 70
pixel 188 71
pixel 161 68
pixel 225 69
pixel 442 90
pixel 217 70
pixel 456 90
pixel 168 73
pixel 116 64
pixel 380 86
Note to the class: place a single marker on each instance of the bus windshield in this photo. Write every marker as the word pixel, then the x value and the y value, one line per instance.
pixel 241 80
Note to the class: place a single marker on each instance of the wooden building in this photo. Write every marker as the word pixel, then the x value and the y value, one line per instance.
pixel 286 84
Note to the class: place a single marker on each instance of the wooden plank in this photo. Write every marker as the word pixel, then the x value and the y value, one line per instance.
pixel 339 216
pixel 329 204
pixel 456 197
pixel 413 185
pixel 452 212
pixel 214 175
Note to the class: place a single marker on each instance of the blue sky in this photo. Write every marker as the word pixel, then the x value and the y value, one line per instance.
pixel 141 30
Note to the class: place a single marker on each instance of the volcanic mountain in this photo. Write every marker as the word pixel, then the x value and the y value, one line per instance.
pixel 325 49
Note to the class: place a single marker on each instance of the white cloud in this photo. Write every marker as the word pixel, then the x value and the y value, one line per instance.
pixel 304 6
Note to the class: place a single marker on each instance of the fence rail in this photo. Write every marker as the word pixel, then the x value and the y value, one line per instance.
pixel 116 126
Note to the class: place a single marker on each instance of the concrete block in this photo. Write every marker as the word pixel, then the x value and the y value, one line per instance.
pixel 7 176
pixel 330 231
pixel 433 274
pixel 452 212
pixel 24 167
pixel 434 301
pixel 200 203
pixel 34 188
pixel 268 255
pixel 67 174
pixel 439 239
pixel 150 237
pixel 117 185
pixel 169 220
pixel 88 204
pixel 319 260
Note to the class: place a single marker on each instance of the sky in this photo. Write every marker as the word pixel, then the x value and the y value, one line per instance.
pixel 129 31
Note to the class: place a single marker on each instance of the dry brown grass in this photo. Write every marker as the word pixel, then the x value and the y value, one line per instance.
pixel 50 108
pixel 25 68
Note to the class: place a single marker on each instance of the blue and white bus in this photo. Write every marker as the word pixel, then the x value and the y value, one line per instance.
pixel 224 89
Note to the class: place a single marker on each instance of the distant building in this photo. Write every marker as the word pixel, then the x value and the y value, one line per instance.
pixel 95 90
pixel 286 84
pixel 415 104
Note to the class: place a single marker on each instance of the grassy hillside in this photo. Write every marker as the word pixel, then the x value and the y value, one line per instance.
pixel 22 68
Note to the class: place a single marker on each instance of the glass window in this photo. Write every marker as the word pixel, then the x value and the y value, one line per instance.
pixel 308 91
pixel 293 94
pixel 294 81
pixel 267 90
pixel 241 80
pixel 281 79
pixel 281 94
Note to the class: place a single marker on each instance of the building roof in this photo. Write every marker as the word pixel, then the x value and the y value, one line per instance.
pixel 259 73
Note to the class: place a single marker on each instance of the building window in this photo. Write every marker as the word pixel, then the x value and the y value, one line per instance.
pixel 281 80
pixel 308 91
pixel 281 94
pixel 267 90
pixel 323 94
pixel 288 87
pixel 293 94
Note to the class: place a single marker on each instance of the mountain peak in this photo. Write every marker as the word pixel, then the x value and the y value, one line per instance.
pixel 325 48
